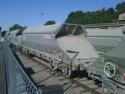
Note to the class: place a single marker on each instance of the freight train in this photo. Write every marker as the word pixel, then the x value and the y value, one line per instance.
pixel 66 47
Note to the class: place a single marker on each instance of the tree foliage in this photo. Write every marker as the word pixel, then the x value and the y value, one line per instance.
pixel 17 27
pixel 0 28
pixel 3 33
pixel 50 22
pixel 98 16
pixel 120 7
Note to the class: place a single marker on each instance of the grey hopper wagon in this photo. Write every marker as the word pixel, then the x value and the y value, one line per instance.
pixel 104 39
pixel 122 17
pixel 64 46
pixel 116 57
pixel 13 38
pixel 40 38
pixel 115 68
pixel 111 72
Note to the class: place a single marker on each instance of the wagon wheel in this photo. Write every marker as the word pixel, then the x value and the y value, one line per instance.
pixel 109 69
pixel 54 65
pixel 51 63
pixel 68 72
pixel 59 56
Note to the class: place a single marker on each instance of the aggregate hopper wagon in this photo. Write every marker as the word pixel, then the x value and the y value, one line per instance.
pixel 111 71
pixel 105 39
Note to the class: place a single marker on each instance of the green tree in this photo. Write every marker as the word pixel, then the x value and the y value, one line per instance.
pixel 50 22
pixel 76 17
pixel 0 28
pixel 120 8
pixel 99 16
pixel 3 33
pixel 17 27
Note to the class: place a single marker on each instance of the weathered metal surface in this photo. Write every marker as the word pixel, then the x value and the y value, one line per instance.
pixel 104 39
pixel 117 58
pixel 122 16
pixel 12 37
pixel 79 44
pixel 46 29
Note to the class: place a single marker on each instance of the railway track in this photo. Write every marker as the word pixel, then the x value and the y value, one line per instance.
pixel 42 74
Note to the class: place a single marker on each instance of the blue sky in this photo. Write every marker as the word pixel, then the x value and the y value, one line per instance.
pixel 28 12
